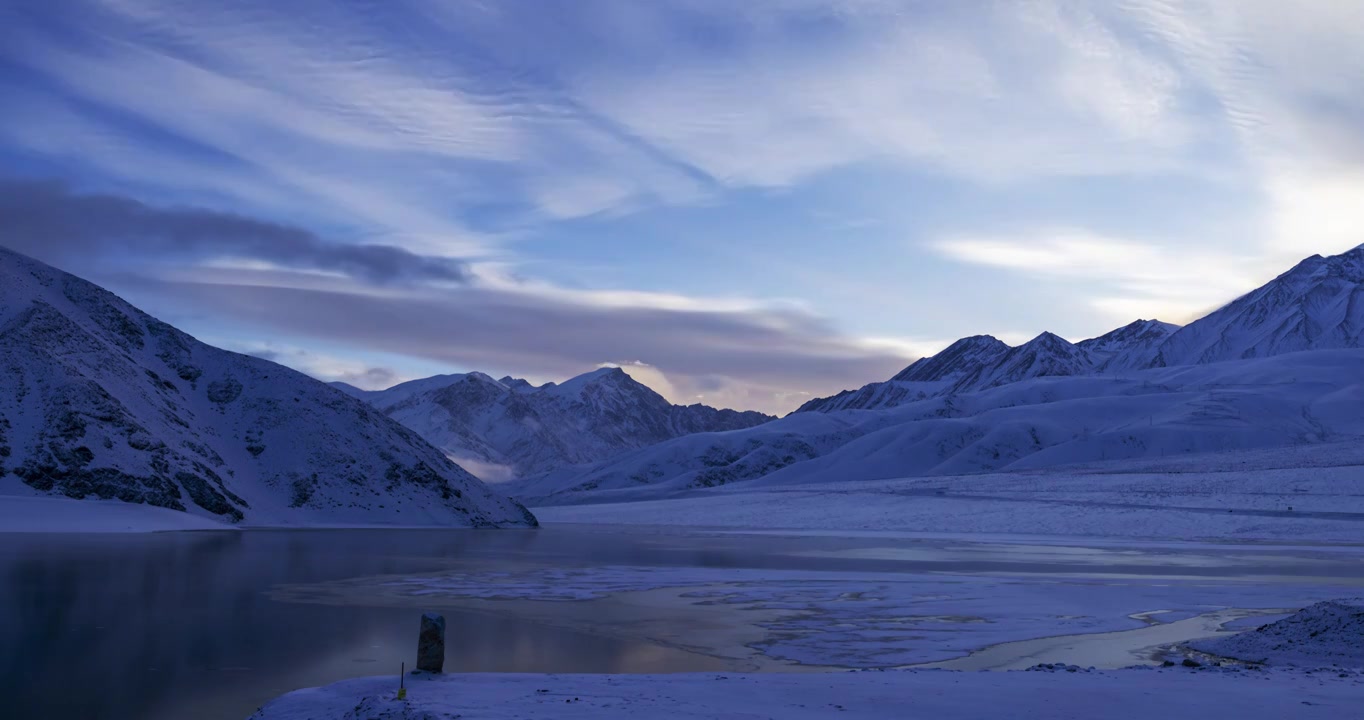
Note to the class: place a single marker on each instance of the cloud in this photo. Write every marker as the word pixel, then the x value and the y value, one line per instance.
pixel 326 368
pixel 1001 91
pixel 1285 77
pixel 1124 279
pixel 1271 96
pixel 48 220
pixel 654 378
pixel 249 273
pixel 774 352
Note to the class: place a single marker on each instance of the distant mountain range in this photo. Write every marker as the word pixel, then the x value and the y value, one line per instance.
pixel 1238 378
pixel 510 428
pixel 983 362
pixel 98 399
pixel 1317 305
pixel 101 400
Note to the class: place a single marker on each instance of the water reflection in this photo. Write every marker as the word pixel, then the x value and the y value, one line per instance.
pixel 179 625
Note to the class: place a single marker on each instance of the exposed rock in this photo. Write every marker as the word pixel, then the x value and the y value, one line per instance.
pixel 431 643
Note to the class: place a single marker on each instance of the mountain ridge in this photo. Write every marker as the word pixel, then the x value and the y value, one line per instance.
pixel 510 428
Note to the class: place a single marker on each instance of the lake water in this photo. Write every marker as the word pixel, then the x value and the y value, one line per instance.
pixel 181 625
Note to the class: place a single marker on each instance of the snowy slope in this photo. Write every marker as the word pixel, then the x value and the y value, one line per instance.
pixel 511 426
pixel 1328 634
pixel 1038 423
pixel 1319 304
pixel 100 400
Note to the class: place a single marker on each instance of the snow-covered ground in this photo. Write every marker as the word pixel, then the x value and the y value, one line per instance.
pixel 1122 695
pixel 1325 634
pixel 1222 503
pixel 20 514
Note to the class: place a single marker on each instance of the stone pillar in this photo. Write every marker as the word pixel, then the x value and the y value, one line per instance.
pixel 431 643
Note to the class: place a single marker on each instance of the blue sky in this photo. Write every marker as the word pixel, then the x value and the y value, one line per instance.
pixel 745 204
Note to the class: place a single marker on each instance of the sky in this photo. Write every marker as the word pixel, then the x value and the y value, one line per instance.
pixel 743 204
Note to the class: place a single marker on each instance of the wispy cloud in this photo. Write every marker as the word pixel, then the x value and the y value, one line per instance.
pixel 46 219
pixel 772 353
pixel 998 91
pixel 327 368
pixel 1126 278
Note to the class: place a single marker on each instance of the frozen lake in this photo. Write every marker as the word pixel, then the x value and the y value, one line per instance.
pixel 211 625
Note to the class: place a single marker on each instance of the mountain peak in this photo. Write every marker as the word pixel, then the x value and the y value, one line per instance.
pixel 477 376
pixel 601 376
pixel 1130 346
pixel 515 383
pixel 961 357
pixel 1048 339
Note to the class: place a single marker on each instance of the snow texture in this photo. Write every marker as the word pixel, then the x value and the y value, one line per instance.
pixel 100 400
pixel 511 426
pixel 1328 634
pixel 1057 693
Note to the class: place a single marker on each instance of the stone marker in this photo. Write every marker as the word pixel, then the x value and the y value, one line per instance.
pixel 431 643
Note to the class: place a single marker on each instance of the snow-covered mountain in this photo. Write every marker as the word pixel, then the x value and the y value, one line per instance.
pixel 1037 423
pixel 507 428
pixel 101 400
pixel 970 364
pixel 1046 355
pixel 957 366
pixel 1235 379
pixel 1319 304
pixel 1135 344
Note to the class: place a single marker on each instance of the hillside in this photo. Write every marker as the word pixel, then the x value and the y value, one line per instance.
pixel 101 400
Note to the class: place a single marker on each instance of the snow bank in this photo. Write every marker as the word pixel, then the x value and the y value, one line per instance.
pixel 1120 695
pixel 1325 634
pixel 50 514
